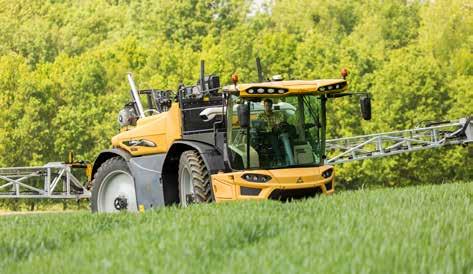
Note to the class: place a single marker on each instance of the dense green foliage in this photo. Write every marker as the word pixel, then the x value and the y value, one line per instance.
pixel 425 229
pixel 63 65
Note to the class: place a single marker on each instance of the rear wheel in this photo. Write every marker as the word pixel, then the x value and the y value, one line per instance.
pixel 113 187
pixel 194 179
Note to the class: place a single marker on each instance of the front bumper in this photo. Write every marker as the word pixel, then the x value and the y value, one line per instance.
pixel 226 188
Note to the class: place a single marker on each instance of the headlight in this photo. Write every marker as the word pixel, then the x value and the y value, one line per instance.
pixel 255 178
pixel 326 174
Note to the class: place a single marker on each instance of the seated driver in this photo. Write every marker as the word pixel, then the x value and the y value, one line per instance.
pixel 272 119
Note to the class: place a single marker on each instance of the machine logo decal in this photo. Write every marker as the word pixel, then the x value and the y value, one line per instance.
pixel 299 180
pixel 140 143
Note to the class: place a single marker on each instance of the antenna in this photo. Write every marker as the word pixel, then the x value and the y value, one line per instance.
pixel 202 71
pixel 260 71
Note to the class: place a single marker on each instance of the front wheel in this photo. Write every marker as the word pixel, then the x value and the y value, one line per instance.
pixel 194 179
pixel 113 188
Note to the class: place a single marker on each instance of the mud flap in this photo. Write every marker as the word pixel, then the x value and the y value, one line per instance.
pixel 146 171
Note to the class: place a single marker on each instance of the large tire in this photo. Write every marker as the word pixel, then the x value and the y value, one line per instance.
pixel 113 187
pixel 194 179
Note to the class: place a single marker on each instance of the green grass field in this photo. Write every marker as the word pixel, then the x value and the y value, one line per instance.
pixel 423 229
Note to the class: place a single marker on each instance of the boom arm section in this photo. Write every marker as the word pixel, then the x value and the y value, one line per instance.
pixel 457 132
pixel 53 180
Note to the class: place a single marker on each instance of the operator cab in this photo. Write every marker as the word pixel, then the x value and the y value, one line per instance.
pixel 282 132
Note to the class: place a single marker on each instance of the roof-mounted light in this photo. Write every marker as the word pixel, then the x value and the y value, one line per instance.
pixel 235 79
pixel 266 90
pixel 332 87
pixel 344 73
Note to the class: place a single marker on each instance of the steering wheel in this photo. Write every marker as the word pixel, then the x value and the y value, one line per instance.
pixel 152 111
pixel 283 126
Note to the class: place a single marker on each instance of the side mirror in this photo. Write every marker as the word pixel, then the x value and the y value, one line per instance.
pixel 243 116
pixel 365 106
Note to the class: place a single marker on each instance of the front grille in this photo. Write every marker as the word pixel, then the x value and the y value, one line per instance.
pixel 294 194
pixel 249 191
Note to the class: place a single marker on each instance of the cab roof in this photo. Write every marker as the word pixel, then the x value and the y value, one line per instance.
pixel 285 88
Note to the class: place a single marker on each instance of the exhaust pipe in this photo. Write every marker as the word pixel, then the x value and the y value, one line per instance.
pixel 202 77
pixel 260 70
pixel 136 96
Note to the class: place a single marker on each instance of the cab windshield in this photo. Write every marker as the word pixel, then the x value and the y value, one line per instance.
pixel 283 132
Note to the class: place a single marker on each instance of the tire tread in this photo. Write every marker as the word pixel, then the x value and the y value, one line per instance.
pixel 200 175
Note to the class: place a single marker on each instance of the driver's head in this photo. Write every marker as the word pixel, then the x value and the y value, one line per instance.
pixel 268 105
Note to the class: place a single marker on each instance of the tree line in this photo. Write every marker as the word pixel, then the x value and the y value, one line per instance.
pixel 63 65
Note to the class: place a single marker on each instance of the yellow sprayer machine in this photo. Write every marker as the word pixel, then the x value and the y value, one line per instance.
pixel 263 140
pixel 204 142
